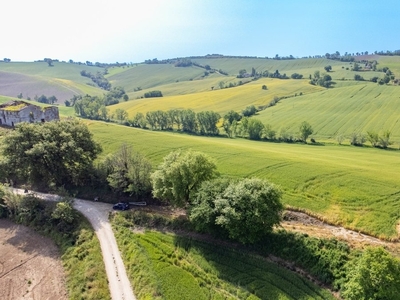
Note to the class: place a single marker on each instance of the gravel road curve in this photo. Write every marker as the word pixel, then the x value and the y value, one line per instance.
pixel 97 213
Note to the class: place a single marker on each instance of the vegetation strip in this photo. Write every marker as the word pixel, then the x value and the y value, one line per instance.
pixel 173 266
pixel 81 253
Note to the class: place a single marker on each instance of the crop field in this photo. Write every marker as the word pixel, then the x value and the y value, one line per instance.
pixel 304 66
pixel 173 267
pixel 149 76
pixel 62 80
pixel 222 101
pixel 352 186
pixel 357 108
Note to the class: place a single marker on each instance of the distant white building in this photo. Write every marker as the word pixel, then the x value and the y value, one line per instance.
pixel 14 112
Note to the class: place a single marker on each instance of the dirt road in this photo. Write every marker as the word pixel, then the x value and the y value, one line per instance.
pixel 97 213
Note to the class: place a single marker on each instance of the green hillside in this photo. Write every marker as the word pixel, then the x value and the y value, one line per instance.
pixel 62 80
pixel 222 100
pixel 352 186
pixel 340 111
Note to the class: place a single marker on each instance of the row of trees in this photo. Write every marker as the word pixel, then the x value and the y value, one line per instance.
pixel 254 129
pixel 94 107
pixel 98 79
pixel 204 123
pixel 377 140
pixel 244 210
pixel 61 154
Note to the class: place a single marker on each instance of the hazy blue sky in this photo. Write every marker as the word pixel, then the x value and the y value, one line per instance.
pixel 132 31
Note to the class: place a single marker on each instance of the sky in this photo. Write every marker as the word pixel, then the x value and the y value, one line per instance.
pixel 133 31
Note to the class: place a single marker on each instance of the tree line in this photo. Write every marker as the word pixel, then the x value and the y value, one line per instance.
pixel 61 154
pixel 94 107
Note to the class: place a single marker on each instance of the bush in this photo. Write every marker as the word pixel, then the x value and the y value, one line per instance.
pixel 373 274
pixel 153 94
pixel 245 209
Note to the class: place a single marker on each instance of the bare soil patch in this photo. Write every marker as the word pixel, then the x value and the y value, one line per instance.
pixel 301 222
pixel 30 266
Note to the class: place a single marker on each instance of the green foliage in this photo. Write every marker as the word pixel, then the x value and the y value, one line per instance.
pixel 255 129
pixel 80 248
pixel 180 175
pixel 374 274
pixel 296 76
pixel 323 258
pixel 357 139
pixel 98 79
pixel 245 210
pixel 167 266
pixel 324 81
pixel 128 171
pixel 358 77
pixel 121 114
pixel 384 140
pixel 153 94
pixel 56 153
pixel 373 138
pixel 305 131
pixel 249 111
pixel 207 122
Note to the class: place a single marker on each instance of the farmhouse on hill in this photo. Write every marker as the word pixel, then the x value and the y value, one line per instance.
pixel 14 112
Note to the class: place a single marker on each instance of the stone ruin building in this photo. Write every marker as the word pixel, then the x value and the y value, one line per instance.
pixel 14 112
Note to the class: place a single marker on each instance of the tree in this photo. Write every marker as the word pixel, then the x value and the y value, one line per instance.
pixel 249 111
pixel 232 116
pixel 374 274
pixel 180 175
pixel 128 172
pixel 153 94
pixel 255 129
pixel 384 140
pixel 244 209
pixel 269 132
pixel 357 139
pixel 52 153
pixel 356 67
pixel 305 131
pixel 358 77
pixel 121 114
pixel 328 68
pixel 373 138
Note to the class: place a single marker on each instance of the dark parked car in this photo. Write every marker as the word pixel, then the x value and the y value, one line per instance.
pixel 121 206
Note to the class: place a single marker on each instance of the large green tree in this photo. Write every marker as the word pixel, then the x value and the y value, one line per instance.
pixel 181 174
pixel 374 274
pixel 244 210
pixel 129 172
pixel 50 154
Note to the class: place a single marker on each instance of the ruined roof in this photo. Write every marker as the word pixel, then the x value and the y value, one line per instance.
pixel 14 105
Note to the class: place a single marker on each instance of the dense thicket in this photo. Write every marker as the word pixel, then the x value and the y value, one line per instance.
pixel 53 153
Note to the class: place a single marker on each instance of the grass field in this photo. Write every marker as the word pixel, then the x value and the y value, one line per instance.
pixel 36 78
pixel 356 108
pixel 168 266
pixel 352 186
pixel 221 101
